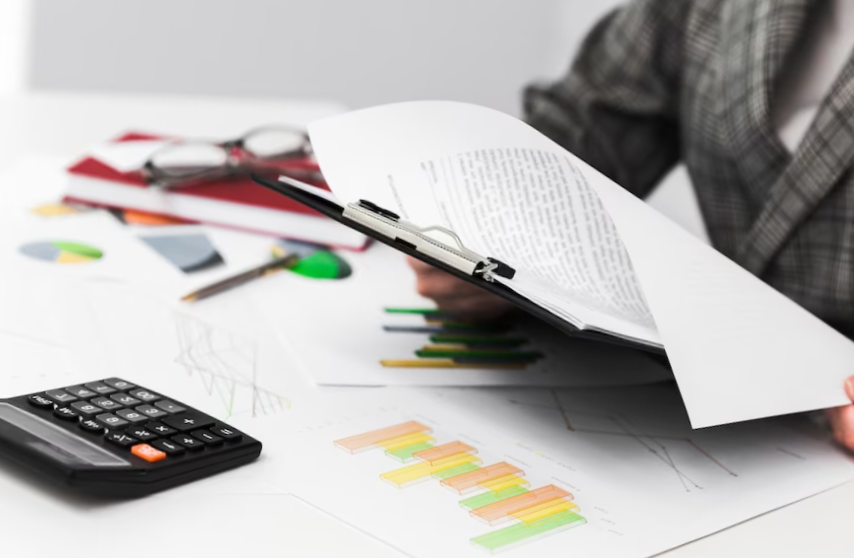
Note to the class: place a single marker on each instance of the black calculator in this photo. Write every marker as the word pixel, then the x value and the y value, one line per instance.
pixel 114 438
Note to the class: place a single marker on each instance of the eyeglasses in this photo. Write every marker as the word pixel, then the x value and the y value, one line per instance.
pixel 276 148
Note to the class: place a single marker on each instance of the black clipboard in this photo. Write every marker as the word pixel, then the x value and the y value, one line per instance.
pixel 336 212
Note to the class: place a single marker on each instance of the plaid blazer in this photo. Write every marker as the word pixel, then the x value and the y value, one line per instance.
pixel 660 81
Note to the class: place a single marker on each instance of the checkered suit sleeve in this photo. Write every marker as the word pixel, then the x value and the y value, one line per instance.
pixel 618 106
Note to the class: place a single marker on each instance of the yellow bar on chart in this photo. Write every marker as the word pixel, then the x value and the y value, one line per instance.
pixel 475 479
pixel 503 483
pixel 434 455
pixel 375 438
pixel 503 510
pixel 541 511
pixel 411 474
pixel 407 440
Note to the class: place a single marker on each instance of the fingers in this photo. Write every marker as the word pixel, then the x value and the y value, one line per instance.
pixel 849 388
pixel 455 296
pixel 842 423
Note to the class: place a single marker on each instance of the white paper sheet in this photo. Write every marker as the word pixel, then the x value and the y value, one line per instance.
pixel 334 329
pixel 643 480
pixel 739 349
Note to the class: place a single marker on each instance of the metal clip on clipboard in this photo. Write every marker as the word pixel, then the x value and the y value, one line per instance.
pixel 390 225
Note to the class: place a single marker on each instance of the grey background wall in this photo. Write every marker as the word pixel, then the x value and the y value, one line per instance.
pixel 360 52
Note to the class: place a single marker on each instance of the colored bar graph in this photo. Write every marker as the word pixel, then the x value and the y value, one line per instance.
pixel 502 511
pixel 411 474
pixel 474 340
pixel 503 491
pixel 443 452
pixel 509 537
pixel 476 479
pixel 475 502
pixel 375 438
pixel 448 363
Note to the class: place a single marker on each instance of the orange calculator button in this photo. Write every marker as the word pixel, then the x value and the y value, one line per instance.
pixel 150 454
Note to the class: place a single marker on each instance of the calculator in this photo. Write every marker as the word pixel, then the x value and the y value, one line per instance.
pixel 114 438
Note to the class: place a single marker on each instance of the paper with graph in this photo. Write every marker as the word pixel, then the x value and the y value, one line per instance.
pixel 589 252
pixel 614 473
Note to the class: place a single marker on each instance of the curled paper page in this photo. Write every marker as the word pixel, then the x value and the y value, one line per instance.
pixel 590 252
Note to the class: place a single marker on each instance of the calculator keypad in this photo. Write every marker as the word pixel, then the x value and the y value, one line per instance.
pixel 134 419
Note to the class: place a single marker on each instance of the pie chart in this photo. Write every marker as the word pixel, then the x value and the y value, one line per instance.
pixel 316 261
pixel 61 252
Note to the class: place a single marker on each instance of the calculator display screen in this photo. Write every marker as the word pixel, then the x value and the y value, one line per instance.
pixel 56 442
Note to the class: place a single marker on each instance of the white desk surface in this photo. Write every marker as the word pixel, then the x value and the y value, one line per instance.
pixel 64 124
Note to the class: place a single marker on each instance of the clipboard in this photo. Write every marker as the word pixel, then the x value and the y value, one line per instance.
pixel 385 226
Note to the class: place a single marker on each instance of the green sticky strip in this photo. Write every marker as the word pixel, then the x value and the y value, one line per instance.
pixel 79 249
pixel 490 497
pixel 515 534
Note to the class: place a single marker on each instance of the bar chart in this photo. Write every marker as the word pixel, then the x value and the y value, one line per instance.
pixel 451 343
pixel 497 495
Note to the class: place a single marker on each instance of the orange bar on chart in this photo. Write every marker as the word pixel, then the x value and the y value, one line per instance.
pixel 515 507
pixel 476 479
pixel 434 455
pixel 375 438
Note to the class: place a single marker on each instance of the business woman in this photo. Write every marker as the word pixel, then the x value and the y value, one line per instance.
pixel 756 97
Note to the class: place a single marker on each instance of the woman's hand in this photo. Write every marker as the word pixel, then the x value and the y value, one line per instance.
pixel 457 297
pixel 842 419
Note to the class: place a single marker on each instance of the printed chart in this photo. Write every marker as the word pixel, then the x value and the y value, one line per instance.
pixel 497 494
pixel 61 252
pixel 227 366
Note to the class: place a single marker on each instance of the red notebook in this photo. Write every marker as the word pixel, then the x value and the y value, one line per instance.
pixel 235 203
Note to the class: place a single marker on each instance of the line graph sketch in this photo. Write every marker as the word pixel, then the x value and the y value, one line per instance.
pixel 227 365
pixel 661 446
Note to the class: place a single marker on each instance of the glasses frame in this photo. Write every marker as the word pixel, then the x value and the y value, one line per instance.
pixel 238 160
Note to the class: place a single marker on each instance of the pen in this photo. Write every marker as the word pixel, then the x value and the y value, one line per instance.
pixel 241 278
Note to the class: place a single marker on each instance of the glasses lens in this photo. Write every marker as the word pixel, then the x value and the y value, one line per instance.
pixel 189 159
pixel 273 143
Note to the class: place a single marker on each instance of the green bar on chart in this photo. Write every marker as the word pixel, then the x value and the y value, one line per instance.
pixel 478 353
pixel 404 453
pixel 460 470
pixel 491 497
pixel 478 340
pixel 508 537
pixel 412 474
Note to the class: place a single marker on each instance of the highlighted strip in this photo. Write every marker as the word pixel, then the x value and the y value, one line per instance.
pixel 509 537
pixel 440 453
pixel 406 440
pixel 475 502
pixel 499 512
pixel 462 469
pixel 443 363
pixel 405 453
pixel 375 438
pixel 476 479
pixel 503 483
pixel 532 515
pixel 412 474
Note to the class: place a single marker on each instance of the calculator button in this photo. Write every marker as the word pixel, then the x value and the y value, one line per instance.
pixel 160 429
pixel 111 421
pixel 60 396
pixel 120 439
pixel 168 447
pixel 124 399
pixel 227 432
pixel 151 412
pixel 66 413
pixel 145 395
pixel 148 453
pixel 189 421
pixel 119 384
pixel 92 426
pixel 100 388
pixel 86 409
pixel 190 443
pixel 141 434
pixel 80 392
pixel 40 401
pixel 169 406
pixel 106 404
pixel 207 437
pixel 133 417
